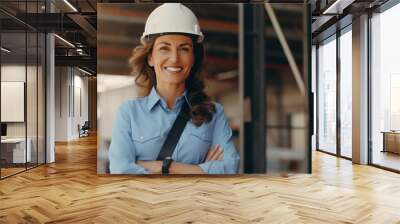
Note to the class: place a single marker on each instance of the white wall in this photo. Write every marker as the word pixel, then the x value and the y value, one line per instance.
pixel 14 73
pixel 67 112
pixel 33 126
pixel 61 103
pixel 80 108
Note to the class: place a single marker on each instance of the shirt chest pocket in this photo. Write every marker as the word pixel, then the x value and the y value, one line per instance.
pixel 199 142
pixel 147 143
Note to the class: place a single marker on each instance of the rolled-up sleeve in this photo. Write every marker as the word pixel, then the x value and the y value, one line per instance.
pixel 222 136
pixel 122 152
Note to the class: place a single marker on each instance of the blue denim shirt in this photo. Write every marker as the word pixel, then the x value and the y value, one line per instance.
pixel 142 125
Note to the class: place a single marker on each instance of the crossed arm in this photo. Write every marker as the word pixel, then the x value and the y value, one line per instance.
pixel 154 167
pixel 122 153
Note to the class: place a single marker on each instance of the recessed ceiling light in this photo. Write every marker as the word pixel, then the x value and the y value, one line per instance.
pixel 5 50
pixel 84 71
pixel 70 5
pixel 65 41
pixel 335 7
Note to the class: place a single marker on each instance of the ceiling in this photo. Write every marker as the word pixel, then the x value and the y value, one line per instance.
pixel 121 25
pixel 330 16
pixel 106 33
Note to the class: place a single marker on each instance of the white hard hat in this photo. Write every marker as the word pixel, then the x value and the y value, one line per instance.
pixel 172 18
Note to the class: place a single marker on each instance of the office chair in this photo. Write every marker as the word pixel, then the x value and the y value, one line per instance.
pixel 84 130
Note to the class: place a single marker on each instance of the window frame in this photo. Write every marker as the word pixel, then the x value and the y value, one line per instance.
pixel 333 37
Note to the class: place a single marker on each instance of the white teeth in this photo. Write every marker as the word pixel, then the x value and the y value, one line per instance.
pixel 173 69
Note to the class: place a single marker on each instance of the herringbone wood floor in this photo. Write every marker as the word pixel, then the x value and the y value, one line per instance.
pixel 70 191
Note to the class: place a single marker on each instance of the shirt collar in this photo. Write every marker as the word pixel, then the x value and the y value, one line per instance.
pixel 154 98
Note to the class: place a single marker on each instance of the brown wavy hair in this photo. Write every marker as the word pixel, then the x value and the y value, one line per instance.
pixel 202 109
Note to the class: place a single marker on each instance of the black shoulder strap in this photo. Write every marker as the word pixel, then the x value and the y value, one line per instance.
pixel 175 132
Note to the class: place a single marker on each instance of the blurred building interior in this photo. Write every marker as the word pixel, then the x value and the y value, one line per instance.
pixel 299 79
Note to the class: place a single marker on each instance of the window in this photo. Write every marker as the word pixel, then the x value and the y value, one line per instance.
pixel 346 93
pixel 327 96
pixel 385 89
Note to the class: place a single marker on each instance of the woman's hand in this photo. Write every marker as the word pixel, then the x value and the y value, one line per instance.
pixel 154 167
pixel 215 153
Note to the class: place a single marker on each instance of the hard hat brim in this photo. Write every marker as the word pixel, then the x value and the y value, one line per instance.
pixel 198 38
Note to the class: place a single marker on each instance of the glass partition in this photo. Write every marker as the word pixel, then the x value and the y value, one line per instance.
pixel 326 136
pixel 346 93
pixel 22 89
pixel 13 94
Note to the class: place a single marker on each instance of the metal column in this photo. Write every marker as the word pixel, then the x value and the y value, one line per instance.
pixel 252 53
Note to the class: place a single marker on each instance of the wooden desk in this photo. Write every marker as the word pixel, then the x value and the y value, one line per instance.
pixel 391 141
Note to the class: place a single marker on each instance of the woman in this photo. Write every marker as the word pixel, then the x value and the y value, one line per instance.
pixel 168 63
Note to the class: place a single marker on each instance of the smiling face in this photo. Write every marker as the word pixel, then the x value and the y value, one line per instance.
pixel 172 58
